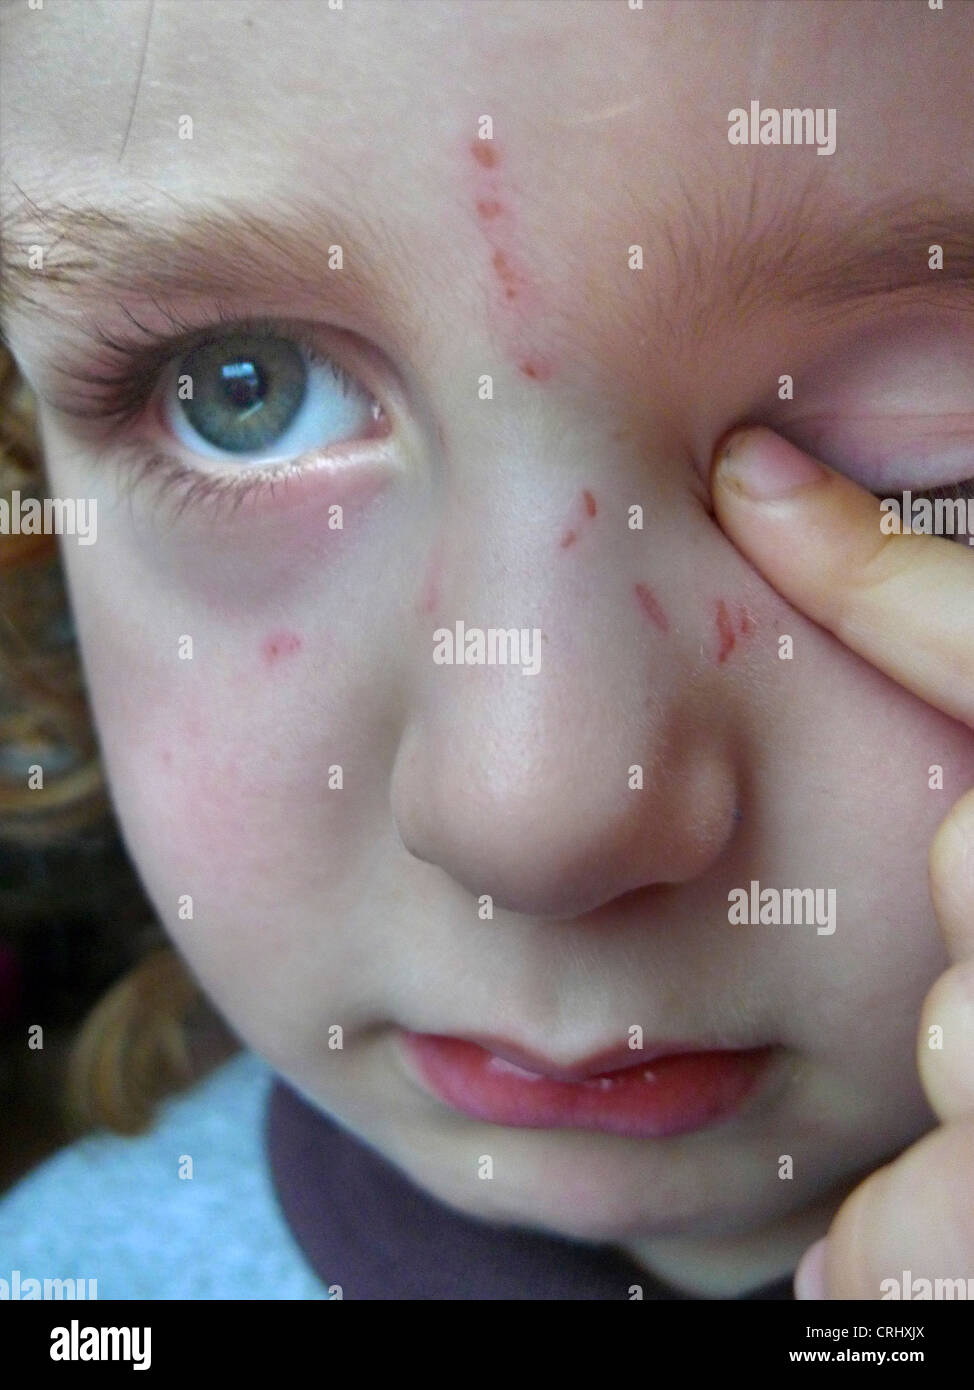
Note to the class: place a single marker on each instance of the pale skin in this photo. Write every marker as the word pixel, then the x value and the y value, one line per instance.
pixel 359 908
pixel 904 603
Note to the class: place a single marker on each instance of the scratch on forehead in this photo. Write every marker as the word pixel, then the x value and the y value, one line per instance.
pixel 516 302
pixel 138 80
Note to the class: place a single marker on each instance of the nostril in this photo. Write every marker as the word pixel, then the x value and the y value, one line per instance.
pixel 650 898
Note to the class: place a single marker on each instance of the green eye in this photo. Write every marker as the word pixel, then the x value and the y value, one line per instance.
pixel 243 392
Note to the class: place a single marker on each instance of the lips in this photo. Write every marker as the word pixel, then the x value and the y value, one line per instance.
pixel 662 1092
pixel 597 1064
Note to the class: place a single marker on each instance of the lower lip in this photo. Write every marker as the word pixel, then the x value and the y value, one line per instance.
pixel 670 1095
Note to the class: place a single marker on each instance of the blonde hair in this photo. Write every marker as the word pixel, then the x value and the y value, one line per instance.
pixel 136 1043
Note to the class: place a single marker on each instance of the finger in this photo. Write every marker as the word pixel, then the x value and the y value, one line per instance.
pixel 903 602
pixel 945 1045
pixel 945 1041
pixel 952 878
pixel 912 1220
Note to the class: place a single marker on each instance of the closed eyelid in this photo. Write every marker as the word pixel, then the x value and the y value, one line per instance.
pixel 882 451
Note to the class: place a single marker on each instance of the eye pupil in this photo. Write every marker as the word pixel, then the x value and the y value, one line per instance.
pixel 243 384
pixel 244 399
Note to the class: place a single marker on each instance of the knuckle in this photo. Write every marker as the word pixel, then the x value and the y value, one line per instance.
pixel 959 1180
pixel 850 1240
pixel 952 848
pixel 865 572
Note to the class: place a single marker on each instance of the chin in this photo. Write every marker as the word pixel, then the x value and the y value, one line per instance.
pixel 564 1191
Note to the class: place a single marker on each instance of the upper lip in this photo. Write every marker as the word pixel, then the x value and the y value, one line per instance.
pixel 617 1058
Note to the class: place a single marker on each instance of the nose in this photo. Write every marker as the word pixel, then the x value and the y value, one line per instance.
pixel 608 770
pixel 539 813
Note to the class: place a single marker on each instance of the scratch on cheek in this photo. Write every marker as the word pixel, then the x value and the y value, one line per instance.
pixel 277 645
pixel 726 633
pixel 651 606
pixel 536 370
pixel 726 639
pixel 569 537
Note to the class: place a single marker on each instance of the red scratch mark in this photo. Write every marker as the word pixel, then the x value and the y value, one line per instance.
pixel 651 606
pixel 166 757
pixel 725 632
pixel 484 153
pixel 537 371
pixel 517 303
pixel 277 645
pixel 506 273
pixel 570 537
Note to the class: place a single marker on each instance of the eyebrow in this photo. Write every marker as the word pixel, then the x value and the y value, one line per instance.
pixel 220 247
pixel 800 249
pixel 723 265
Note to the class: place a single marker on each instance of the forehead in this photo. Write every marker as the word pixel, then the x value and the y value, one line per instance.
pixel 374 100
pixel 610 128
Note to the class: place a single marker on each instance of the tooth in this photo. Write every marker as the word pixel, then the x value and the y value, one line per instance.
pixel 605 1083
pixel 499 1064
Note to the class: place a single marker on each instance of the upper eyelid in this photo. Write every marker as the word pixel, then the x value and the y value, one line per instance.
pixel 125 390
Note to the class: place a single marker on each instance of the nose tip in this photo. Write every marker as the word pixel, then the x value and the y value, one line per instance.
pixel 554 840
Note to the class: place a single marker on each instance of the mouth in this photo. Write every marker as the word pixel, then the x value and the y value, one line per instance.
pixel 645 1093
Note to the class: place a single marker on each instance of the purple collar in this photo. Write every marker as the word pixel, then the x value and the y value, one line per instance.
pixel 363 1224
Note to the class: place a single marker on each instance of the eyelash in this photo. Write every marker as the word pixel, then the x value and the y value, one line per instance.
pixel 124 394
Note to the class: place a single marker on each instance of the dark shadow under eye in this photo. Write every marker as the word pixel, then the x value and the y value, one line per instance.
pixel 242 392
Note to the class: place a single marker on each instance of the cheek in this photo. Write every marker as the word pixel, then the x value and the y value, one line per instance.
pixel 242 848
pixel 219 772
pixel 198 786
pixel 882 771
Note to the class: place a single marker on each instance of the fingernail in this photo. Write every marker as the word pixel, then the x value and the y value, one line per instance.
pixel 763 466
pixel 810 1275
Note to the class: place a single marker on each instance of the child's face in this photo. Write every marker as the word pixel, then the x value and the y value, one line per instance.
pixel 360 906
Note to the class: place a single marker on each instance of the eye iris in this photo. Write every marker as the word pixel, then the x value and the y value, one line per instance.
pixel 246 390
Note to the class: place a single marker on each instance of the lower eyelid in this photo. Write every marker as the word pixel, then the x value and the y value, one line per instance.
pixel 349 478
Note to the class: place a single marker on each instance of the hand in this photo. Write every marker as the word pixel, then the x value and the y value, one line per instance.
pixel 906 604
